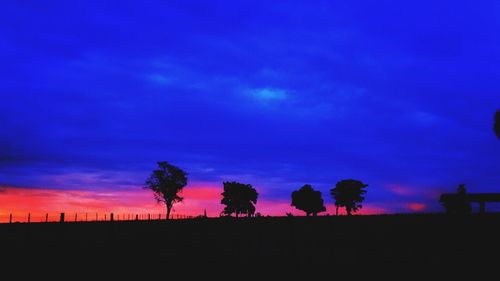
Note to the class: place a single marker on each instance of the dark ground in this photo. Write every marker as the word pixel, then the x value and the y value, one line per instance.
pixel 256 248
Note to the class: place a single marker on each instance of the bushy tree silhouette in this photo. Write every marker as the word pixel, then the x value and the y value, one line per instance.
pixel 349 194
pixel 239 198
pixel 308 200
pixel 166 183
pixel 496 126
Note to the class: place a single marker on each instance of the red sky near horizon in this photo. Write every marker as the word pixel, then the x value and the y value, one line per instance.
pixel 38 202
pixel 296 92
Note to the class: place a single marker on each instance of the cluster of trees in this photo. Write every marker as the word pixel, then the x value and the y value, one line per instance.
pixel 167 181
pixel 347 193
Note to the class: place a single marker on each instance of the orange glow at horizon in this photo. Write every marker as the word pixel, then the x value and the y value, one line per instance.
pixel 127 203
pixel 38 202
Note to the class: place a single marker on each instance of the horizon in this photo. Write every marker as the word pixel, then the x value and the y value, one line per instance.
pixel 400 96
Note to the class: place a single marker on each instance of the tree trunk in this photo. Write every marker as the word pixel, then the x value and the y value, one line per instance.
pixel 336 210
pixel 168 212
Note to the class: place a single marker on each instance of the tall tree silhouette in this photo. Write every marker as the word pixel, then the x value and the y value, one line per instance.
pixel 239 198
pixel 496 126
pixel 308 200
pixel 166 183
pixel 349 194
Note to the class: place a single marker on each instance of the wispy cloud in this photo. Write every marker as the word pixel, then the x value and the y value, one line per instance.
pixel 270 97
pixel 159 79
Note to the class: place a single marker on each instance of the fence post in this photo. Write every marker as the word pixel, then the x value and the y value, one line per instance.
pixel 76 217
pixel 61 218
pixel 86 216
pixel 10 218
pixel 136 217
pixel 96 216
pixel 29 217
pixel 105 217
pixel 111 217
pixel 46 217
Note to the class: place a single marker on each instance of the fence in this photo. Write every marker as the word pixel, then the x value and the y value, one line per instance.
pixel 85 217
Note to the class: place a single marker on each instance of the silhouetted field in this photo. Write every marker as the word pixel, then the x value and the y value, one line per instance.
pixel 256 247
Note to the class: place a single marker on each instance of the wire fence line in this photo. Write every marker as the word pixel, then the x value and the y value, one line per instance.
pixel 86 217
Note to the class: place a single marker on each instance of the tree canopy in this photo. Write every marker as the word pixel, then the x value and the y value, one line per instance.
pixel 308 200
pixel 349 194
pixel 239 198
pixel 166 182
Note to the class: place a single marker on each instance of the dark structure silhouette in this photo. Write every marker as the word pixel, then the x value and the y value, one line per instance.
pixel 308 200
pixel 496 125
pixel 349 194
pixel 239 199
pixel 166 183
pixel 460 202
pixel 456 203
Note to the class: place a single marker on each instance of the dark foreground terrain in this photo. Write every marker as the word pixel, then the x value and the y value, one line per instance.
pixel 256 248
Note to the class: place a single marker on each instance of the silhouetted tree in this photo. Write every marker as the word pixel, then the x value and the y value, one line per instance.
pixel 349 194
pixel 166 183
pixel 457 204
pixel 308 200
pixel 239 198
pixel 496 126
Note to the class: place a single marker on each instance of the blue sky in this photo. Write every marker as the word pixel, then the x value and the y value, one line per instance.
pixel 398 94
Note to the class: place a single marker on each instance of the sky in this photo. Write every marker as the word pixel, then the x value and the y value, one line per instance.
pixel 398 94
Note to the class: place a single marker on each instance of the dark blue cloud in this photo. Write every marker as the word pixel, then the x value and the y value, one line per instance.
pixel 276 94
